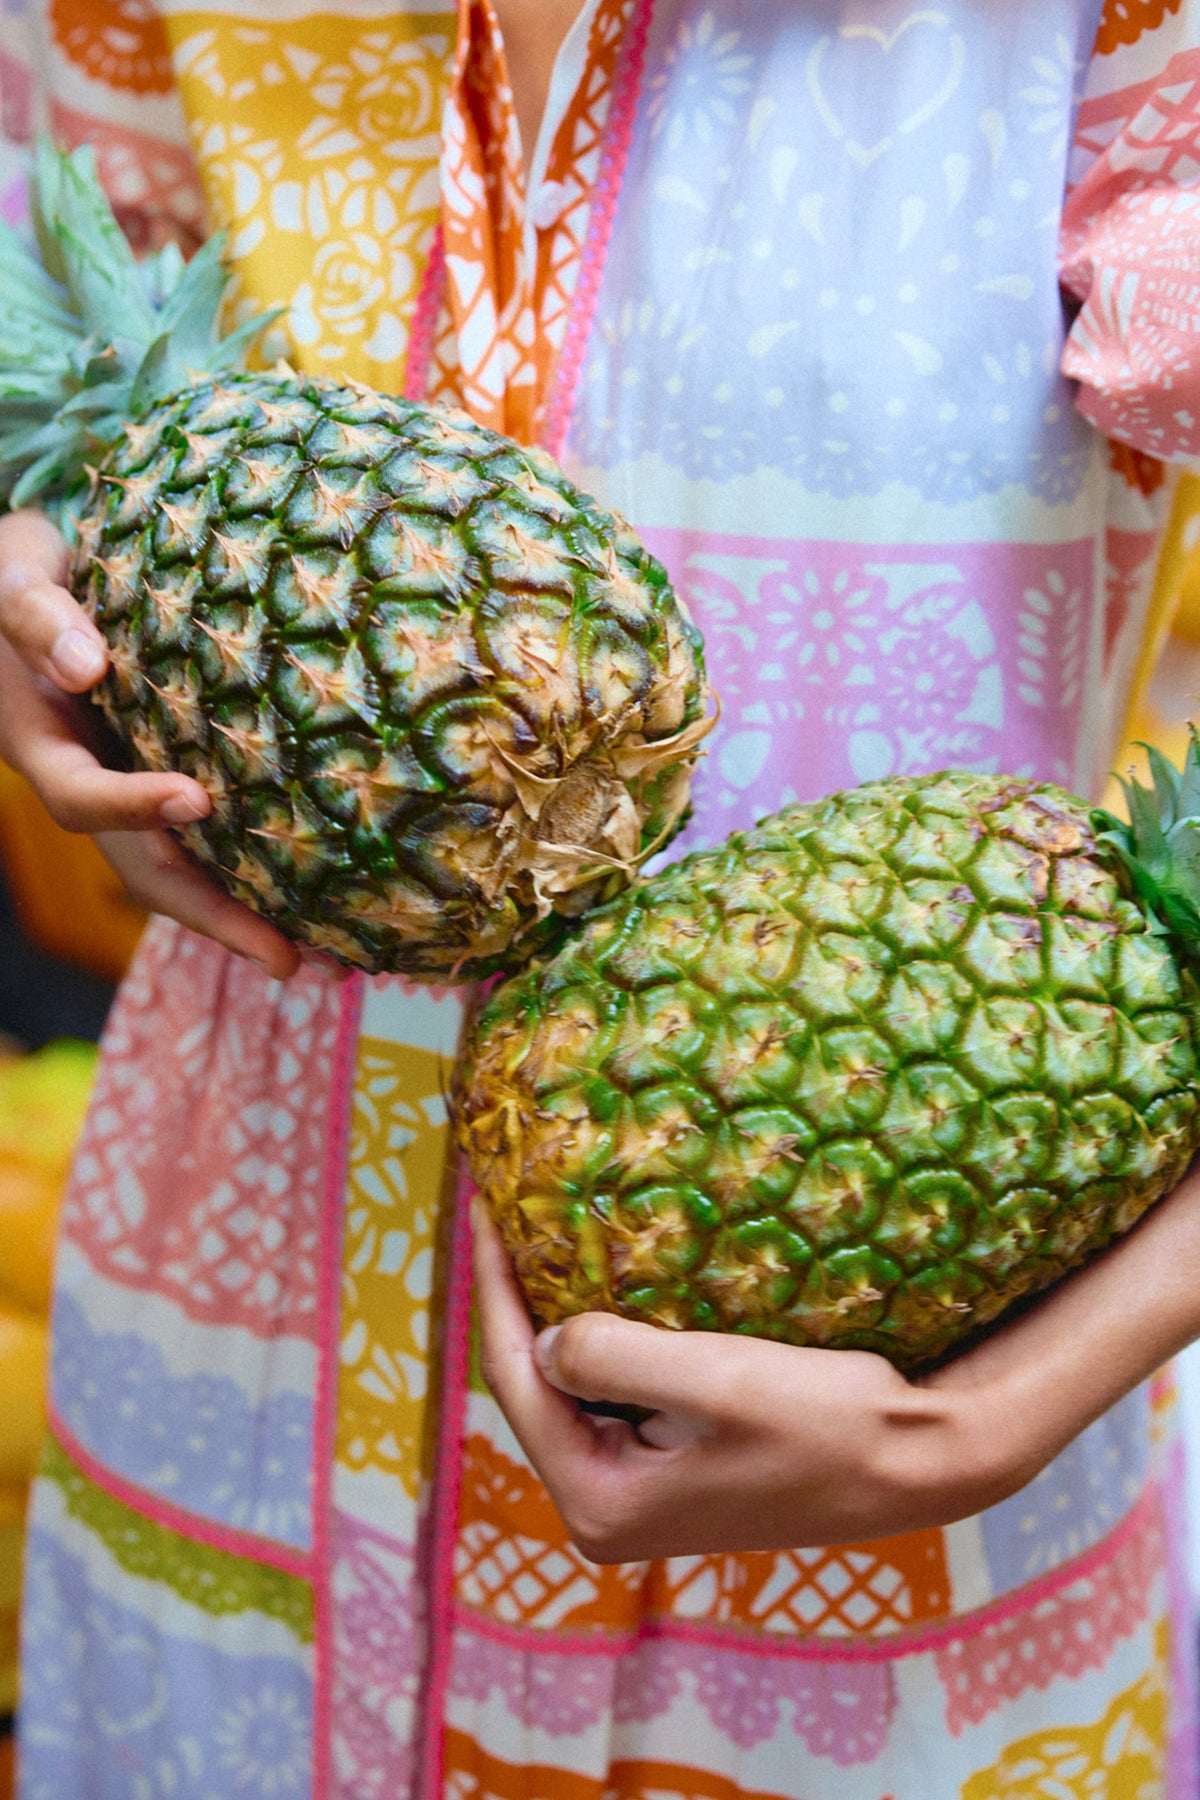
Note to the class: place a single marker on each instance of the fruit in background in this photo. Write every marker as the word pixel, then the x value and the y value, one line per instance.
pixel 43 1099
pixel 861 1077
pixel 65 896
pixel 441 700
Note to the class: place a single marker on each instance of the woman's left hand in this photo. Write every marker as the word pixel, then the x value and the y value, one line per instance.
pixel 754 1445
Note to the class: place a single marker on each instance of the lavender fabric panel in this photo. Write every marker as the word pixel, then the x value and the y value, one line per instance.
pixel 118 1707
pixel 835 250
pixel 195 1440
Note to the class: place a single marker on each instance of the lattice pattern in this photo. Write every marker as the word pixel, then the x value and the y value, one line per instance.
pixel 502 323
pixel 517 1564
pixel 214 1092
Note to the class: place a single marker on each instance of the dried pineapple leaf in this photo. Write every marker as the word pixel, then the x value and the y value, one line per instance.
pixel 634 756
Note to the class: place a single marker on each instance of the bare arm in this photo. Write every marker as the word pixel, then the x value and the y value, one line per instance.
pixel 757 1446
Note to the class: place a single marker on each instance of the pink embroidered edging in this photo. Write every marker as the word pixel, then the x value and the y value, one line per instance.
pixel 618 136
pixel 913 1642
pixel 325 1412
pixel 424 320
pixel 444 1501
pixel 245 1544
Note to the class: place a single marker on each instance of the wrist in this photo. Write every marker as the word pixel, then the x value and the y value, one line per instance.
pixel 974 1446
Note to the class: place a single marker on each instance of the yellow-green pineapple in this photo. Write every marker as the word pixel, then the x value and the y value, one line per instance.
pixel 862 1076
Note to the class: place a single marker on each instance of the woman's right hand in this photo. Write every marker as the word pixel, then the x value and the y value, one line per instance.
pixel 50 654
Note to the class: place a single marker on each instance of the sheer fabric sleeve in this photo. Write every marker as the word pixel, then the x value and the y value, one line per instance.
pixel 1130 239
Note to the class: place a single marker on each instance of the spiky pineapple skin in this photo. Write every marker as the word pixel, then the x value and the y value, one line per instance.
pixel 861 1077
pixel 440 699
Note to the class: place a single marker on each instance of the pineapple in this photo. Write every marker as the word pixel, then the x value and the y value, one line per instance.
pixel 441 701
pixel 861 1077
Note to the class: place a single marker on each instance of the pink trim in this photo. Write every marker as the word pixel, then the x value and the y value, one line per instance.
pixel 618 136
pixel 442 1519
pixel 1183 1738
pixel 423 328
pixel 244 1544
pixel 914 1642
pixel 337 1145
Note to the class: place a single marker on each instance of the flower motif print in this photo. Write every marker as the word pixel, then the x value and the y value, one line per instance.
pixel 705 72
pixel 837 665
pixel 389 89
pixel 340 216
pixel 1051 95
pixel 262 1745
pixel 120 43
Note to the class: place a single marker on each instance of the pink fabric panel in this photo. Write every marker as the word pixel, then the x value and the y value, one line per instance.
pixel 379 1650
pixel 214 1093
pixel 16 99
pixel 1130 250
pixel 838 663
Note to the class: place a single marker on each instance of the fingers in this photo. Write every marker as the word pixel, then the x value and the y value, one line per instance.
pixel 507 1340
pixel 42 737
pixel 159 876
pixel 47 628
pixel 598 1356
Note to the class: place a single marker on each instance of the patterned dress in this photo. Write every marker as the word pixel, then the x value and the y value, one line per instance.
pixel 785 289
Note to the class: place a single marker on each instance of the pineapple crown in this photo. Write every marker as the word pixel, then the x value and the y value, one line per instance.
pixel 1159 845
pixel 90 338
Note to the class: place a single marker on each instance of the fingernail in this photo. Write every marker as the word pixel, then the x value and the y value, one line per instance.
pixel 543 1344
pixel 77 657
pixel 181 809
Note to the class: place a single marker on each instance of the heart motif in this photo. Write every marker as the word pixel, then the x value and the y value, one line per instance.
pixel 828 51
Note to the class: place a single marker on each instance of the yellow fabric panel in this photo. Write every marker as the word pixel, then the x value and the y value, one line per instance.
pixel 1120 1757
pixel 1172 626
pixel 318 143
pixel 398 1154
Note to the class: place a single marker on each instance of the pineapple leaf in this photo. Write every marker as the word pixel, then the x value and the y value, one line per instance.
pixel 1165 777
pixel 230 352
pixel 1189 786
pixel 96 262
pixel 90 338
pixel 147 383
pixel 36 476
pixel 1159 847
pixel 1149 837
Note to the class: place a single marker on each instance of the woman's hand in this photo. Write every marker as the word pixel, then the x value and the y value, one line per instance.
pixel 751 1445
pixel 50 653
pixel 755 1446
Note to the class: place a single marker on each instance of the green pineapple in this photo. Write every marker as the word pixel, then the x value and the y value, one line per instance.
pixel 861 1077
pixel 442 702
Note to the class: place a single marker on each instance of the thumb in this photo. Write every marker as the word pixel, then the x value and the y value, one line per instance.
pixel 605 1360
